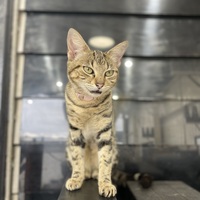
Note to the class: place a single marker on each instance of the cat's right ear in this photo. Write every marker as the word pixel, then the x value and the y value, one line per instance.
pixel 76 44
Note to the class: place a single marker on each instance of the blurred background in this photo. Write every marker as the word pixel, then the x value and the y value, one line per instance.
pixel 156 100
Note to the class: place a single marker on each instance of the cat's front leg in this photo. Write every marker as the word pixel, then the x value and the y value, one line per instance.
pixel 105 155
pixel 75 151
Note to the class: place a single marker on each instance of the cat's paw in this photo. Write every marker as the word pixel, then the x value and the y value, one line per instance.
pixel 107 190
pixel 73 184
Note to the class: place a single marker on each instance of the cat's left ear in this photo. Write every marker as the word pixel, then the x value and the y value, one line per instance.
pixel 117 52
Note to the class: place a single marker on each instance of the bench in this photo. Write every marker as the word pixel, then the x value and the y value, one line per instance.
pixel 164 190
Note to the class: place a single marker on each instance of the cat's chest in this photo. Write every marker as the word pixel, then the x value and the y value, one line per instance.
pixel 90 121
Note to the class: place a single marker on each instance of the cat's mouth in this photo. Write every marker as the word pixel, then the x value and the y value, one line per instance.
pixel 96 92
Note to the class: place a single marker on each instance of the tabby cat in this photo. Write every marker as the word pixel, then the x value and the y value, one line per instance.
pixel 91 146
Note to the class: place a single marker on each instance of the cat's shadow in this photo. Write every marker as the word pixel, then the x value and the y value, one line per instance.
pixel 89 191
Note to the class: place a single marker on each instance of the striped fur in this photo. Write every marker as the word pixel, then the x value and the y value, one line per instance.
pixel 91 146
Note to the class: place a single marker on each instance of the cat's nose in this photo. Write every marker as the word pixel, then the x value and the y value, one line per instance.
pixel 99 85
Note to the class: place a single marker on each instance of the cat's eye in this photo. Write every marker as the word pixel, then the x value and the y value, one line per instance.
pixel 109 73
pixel 88 70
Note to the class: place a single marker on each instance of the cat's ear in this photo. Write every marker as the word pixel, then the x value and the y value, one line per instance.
pixel 117 52
pixel 76 44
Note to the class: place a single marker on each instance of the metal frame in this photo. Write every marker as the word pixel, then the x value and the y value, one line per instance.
pixel 4 115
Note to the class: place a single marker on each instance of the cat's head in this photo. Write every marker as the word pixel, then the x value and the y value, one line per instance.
pixel 91 72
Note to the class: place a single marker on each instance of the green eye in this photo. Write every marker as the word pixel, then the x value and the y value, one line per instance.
pixel 88 70
pixel 109 73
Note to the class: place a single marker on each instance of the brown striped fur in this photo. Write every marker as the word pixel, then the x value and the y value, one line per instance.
pixel 91 146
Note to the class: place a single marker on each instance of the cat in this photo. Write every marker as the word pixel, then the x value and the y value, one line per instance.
pixel 91 146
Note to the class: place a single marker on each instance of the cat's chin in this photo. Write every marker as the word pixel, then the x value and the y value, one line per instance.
pixel 95 95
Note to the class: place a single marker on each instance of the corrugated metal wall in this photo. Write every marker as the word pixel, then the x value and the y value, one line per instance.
pixel 158 106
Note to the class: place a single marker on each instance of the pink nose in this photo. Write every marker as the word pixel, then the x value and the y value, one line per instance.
pixel 99 85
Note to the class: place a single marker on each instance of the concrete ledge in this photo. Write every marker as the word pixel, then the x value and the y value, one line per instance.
pixel 164 190
pixel 89 191
pixel 160 190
